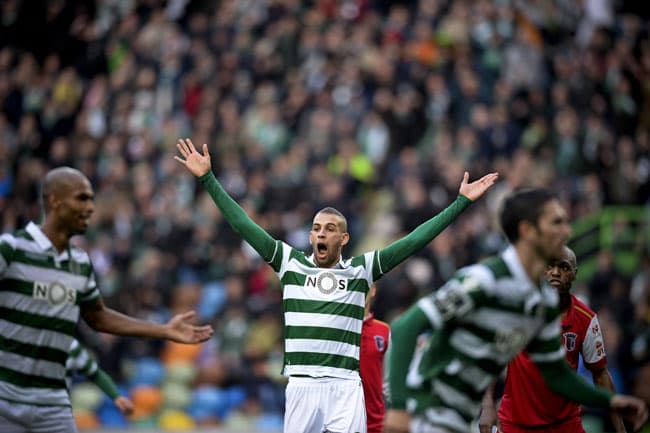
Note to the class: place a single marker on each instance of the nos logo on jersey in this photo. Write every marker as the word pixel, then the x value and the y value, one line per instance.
pixel 326 282
pixel 56 293
pixel 570 340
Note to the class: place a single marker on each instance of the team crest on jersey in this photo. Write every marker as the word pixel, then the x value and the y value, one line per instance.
pixel 380 342
pixel 56 293
pixel 326 282
pixel 570 340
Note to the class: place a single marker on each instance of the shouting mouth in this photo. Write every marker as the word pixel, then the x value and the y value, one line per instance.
pixel 321 249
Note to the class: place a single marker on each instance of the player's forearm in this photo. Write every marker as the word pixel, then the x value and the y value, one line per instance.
pixel 488 397
pixel 603 379
pixel 561 379
pixel 404 333
pixel 400 250
pixel 255 235
pixel 104 319
pixel 105 383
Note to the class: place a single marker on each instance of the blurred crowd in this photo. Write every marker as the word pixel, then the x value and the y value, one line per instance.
pixel 374 107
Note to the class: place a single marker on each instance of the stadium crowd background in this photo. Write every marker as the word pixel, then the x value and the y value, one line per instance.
pixel 373 107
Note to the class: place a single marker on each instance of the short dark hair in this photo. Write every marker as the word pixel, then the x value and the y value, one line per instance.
pixel 522 205
pixel 333 211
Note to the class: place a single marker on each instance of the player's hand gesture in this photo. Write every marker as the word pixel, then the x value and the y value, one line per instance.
pixel 396 421
pixel 196 163
pixel 631 408
pixel 181 329
pixel 124 405
pixel 476 189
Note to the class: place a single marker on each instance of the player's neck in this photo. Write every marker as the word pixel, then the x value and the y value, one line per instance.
pixel 534 265
pixel 59 238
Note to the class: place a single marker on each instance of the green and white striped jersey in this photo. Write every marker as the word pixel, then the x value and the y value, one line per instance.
pixel 323 312
pixel 40 295
pixel 79 361
pixel 481 318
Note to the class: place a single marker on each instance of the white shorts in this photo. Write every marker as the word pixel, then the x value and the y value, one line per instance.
pixel 27 418
pixel 327 404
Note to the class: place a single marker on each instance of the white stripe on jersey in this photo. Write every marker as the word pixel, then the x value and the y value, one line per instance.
pixel 470 345
pixel 430 310
pixel 31 273
pixel 321 346
pixel 452 397
pixel 494 319
pixel 323 321
pixel 548 357
pixel 550 330
pixel 26 365
pixel 41 396
pixel 25 334
pixel 473 375
pixel 291 291
pixel 28 304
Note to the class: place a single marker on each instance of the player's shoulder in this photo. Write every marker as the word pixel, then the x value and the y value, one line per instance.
pixel 380 324
pixel 484 273
pixel 581 309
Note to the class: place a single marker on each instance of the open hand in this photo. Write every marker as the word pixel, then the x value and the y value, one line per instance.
pixel 196 163
pixel 181 329
pixel 488 419
pixel 476 189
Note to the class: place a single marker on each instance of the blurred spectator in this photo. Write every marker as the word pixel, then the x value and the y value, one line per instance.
pixel 387 101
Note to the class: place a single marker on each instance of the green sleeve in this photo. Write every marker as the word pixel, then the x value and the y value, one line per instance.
pixel 403 248
pixel 562 380
pixel 105 383
pixel 404 332
pixel 252 233
pixel 6 253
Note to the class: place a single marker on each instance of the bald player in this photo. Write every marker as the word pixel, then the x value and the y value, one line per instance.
pixel 45 282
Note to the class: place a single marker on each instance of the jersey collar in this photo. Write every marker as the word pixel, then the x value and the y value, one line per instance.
pixel 39 237
pixel 514 263
pixel 339 265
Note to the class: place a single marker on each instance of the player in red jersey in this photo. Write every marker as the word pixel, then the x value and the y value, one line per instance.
pixel 527 404
pixel 374 343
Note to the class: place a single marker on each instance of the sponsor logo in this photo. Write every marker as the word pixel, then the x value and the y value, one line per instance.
pixel 326 282
pixel 55 293
pixel 570 339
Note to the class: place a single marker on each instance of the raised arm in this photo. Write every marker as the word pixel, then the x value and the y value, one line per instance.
pixel 200 166
pixel 395 253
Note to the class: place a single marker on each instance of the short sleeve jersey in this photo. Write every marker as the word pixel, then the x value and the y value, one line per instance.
pixel 527 401
pixel 40 296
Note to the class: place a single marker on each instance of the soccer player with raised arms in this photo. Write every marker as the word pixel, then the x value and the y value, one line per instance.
pixel 324 298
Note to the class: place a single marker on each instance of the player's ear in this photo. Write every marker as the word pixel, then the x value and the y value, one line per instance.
pixel 345 238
